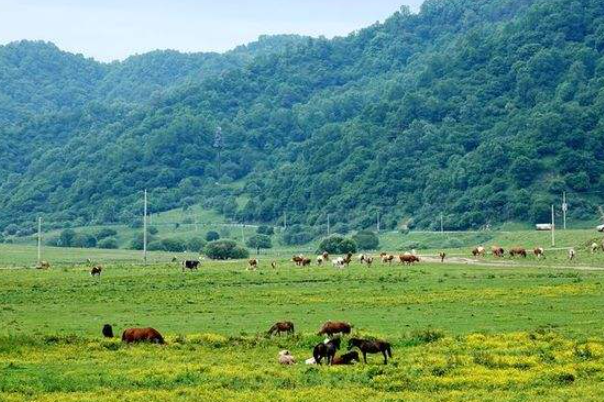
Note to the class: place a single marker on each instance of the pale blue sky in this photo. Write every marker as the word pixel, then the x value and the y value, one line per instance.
pixel 114 29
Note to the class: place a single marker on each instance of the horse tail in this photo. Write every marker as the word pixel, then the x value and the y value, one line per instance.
pixel 272 329
pixel 293 328
pixel 389 350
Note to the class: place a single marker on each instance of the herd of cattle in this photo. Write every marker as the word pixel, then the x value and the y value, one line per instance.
pixel 328 349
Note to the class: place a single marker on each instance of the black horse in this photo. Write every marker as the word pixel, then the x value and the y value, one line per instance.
pixel 327 350
pixel 346 359
pixel 371 346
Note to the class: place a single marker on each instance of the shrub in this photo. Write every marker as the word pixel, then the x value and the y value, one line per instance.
pixel 225 250
pixel 337 244
pixel 366 240
pixel 152 230
pixel 11 229
pixel 156 245
pixel 109 243
pixel 196 245
pixel 66 238
pixel 212 236
pixel 296 235
pixel 259 241
pixel 137 241
pixel 82 240
pixel 265 230
pixel 105 232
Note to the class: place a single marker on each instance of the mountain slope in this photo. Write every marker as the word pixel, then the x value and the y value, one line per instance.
pixel 482 110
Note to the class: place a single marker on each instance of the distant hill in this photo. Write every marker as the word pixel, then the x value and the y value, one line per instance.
pixel 484 111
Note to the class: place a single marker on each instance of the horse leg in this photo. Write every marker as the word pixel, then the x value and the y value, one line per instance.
pixel 385 357
pixel 364 356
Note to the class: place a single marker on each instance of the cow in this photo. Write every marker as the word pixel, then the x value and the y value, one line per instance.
pixel 539 253
pixel 96 271
pixel 285 358
pixel 518 251
pixel 298 259
pixel 369 261
pixel 135 335
pixel 338 263
pixel 330 328
pixel 306 262
pixel 44 265
pixel 408 259
pixel 348 259
pixel 191 265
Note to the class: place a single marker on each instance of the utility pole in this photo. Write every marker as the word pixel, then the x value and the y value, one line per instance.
pixel 39 240
pixel 242 234
pixel 564 209
pixel 442 225
pixel 328 225
pixel 145 231
pixel 553 228
pixel 219 145
pixel 285 220
pixel 378 222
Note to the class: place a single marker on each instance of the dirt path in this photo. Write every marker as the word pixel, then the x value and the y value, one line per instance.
pixel 505 264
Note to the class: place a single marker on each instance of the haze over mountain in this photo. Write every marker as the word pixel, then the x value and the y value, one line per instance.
pixel 483 110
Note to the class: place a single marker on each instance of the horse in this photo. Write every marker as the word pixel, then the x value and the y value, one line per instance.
pixel 298 259
pixel 338 263
pixel 134 335
pixel 274 264
pixel 368 261
pixel 348 259
pixel 518 251
pixel 387 259
pixel 306 262
pixel 96 271
pixel 330 328
pixel 572 254
pixel 539 252
pixel 594 247
pixel 285 358
pixel 478 251
pixel 408 259
pixel 371 346
pixel 346 359
pixel 253 264
pixel 280 327
pixel 326 349
pixel 107 331
pixel 497 251
pixel 442 257
pixel 44 265
pixel 190 265
pixel 320 260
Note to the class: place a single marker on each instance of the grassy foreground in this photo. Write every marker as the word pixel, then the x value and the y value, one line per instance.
pixel 459 333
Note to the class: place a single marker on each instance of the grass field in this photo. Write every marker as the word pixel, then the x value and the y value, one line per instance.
pixel 460 333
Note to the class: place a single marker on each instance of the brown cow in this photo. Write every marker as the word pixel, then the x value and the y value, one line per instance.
pixel 280 327
pixel 518 251
pixel 134 335
pixel 408 259
pixel 330 328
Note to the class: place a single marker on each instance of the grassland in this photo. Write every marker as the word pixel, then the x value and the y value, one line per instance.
pixel 460 333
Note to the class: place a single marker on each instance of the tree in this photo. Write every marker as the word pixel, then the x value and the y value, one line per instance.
pixel 175 245
pixel 259 241
pixel 66 238
pixel 366 240
pixel 265 230
pixel 196 245
pixel 337 244
pixel 212 236
pixel 105 232
pixel 225 250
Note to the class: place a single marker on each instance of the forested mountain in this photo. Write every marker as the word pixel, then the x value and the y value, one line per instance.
pixel 482 110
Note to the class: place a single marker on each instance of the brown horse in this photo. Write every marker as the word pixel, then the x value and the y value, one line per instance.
pixel 327 350
pixel 280 327
pixel 134 335
pixel 371 346
pixel 497 251
pixel 346 359
pixel 518 251
pixel 330 328
pixel 408 259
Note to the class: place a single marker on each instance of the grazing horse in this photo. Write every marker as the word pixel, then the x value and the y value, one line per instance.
pixel 338 263
pixel 442 256
pixel 330 328
pixel 478 251
pixel 107 331
pixel 518 251
pixel 387 259
pixel 134 335
pixel 346 359
pixel 369 261
pixel 325 256
pixel 371 346
pixel 572 254
pixel 44 265
pixel 274 264
pixel 298 259
pixel 539 252
pixel 306 262
pixel 326 349
pixel 320 260
pixel 190 265
pixel 280 327
pixel 96 271
pixel 497 251
pixel 252 264
pixel 348 259
pixel 408 259
pixel 594 247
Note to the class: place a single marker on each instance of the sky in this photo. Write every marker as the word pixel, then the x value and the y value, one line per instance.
pixel 113 30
